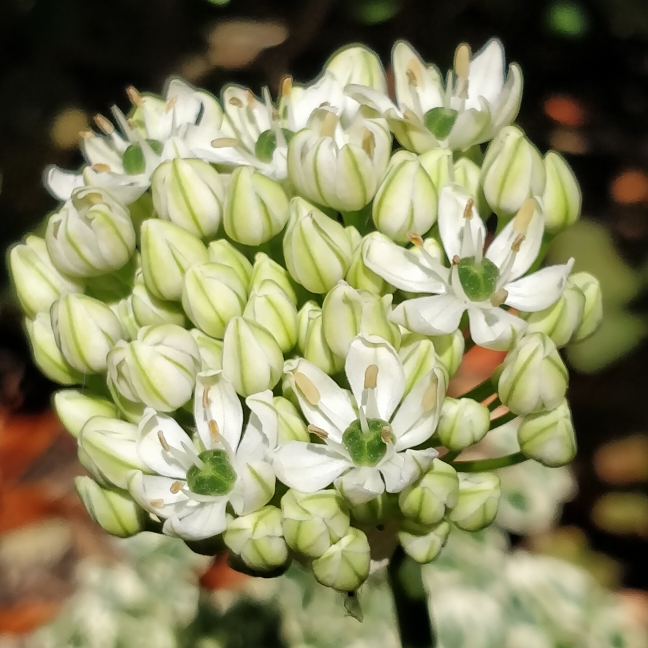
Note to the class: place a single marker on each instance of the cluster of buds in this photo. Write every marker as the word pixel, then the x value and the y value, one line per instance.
pixel 256 309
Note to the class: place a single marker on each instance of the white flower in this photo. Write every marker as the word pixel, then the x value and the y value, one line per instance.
pixel 368 435
pixel 477 283
pixel 472 107
pixel 195 479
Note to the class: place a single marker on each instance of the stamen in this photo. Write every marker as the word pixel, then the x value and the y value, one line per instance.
pixel 416 239
pixel 362 417
pixel 462 60
pixel 104 124
pixel 157 503
pixel 214 432
pixel 368 143
pixel 371 377
pixel 429 400
pixel 191 454
pixel 411 77
pixel 479 247
pixel 456 259
pixel 205 398
pixel 171 104
pixel 468 209
pixel 176 487
pixel 285 86
pixel 414 73
pixel 225 142
pixel 515 246
pixel 236 102
pixel 387 434
pixel 328 125
pixel 307 388
pixel 523 217
pixel 86 134
pixel 134 96
pixel 99 167
pixel 499 297
pixel 251 99
pixel 318 432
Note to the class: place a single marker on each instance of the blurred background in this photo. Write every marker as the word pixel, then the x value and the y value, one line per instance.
pixel 586 95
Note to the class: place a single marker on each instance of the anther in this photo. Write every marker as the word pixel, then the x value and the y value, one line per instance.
pixel 285 86
pixel 368 143
pixel 134 96
pixel 224 142
pixel 171 104
pixel 305 385
pixel 415 239
pixel 412 77
pixel 251 99
pixel 157 503
pixel 499 297
pixel 371 377
pixel 176 487
pixel 328 124
pixel 214 432
pixel 236 102
pixel 205 398
pixel 163 441
pixel 523 217
pixel 468 209
pixel 318 432
pixel 104 124
pixel 86 134
pixel 387 434
pixel 429 401
pixel 462 60
pixel 456 259
pixel 515 246
pixel 99 167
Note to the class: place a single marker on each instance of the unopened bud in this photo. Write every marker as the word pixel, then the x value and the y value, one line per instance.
pixel 593 309
pixel 463 423
pixel 266 268
pixel 150 310
pixel 75 408
pixel 210 349
pixel 438 165
pixel 312 341
pixel 423 543
pixel 222 251
pixel 450 350
pixel 561 199
pixel 479 496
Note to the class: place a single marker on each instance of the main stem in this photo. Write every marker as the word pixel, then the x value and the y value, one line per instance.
pixel 414 623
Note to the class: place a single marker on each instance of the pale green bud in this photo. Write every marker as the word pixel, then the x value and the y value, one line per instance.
pixel 303 322
pixel 373 512
pixel 561 199
pixel 124 311
pixel 593 311
pixel 132 411
pixel 549 437
pixel 479 496
pixel 256 209
pixel 271 307
pixel 37 282
pixel 85 330
pixel 158 368
pixel 312 522
pixel 468 175
pixel 534 377
pixel 91 235
pixel 222 251
pixel 361 278
pixel 425 502
pixel 252 359
pixel 422 543
pixel 463 423
pixel 438 165
pixel 290 424
pixel 168 251
pixel 213 294
pixel 312 341
pixel 189 193
pixel 450 350
pixel 346 313
pixel 75 408
pixel 258 539
pixel 562 319
pixel 406 200
pixel 108 450
pixel 113 510
pixel 316 248
pixel 355 238
pixel 46 353
pixel 344 566
pixel 266 268
pixel 210 349
pixel 150 310
pixel 512 171
pixel 357 64
pixel 418 356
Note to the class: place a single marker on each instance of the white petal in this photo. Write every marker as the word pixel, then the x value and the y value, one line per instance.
pixel 223 406
pixel 452 205
pixel 406 467
pixel 390 386
pixel 436 315
pixel 254 444
pixel 401 268
pixel 153 493
pixel 264 415
pixel 150 449
pixel 495 328
pixel 469 128
pixel 507 106
pixel 254 487
pixel 198 520
pixel 540 289
pixel 61 183
pixel 426 93
pixel 486 74
pixel 360 485
pixel 417 417
pixel 369 97
pixel 308 467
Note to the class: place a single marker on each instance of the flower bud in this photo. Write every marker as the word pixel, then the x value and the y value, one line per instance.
pixel 549 437
pixel 113 510
pixel 479 496
pixel 124 311
pixel 75 408
pixel 222 251
pixel 357 64
pixel 271 307
pixel 132 411
pixel 375 511
pixel 316 248
pixel 37 282
pixel 512 171
pixel 561 199
pixel 189 193
pixel 168 251
pixel 344 566
pixel 85 330
pixel 149 310
pixel 213 294
pixel 449 349
pixel 560 320
pixel 258 539
pixel 468 175
pixel 312 522
pixel 422 543
pixel 290 424
pixel 406 200
pixel 108 450
pixel 425 502
pixel 210 350
pixel 593 309
pixel 438 165
pixel 265 268
pixel 463 423
pixel 252 359
pixel 46 353
pixel 256 209
pixel 361 278
pixel 91 235
pixel 418 357
pixel 534 377
pixel 312 342
pixel 346 313
pixel 158 368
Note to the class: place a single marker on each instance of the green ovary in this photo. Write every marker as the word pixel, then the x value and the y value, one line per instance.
pixel 478 278
pixel 217 477
pixel 366 449
pixel 133 161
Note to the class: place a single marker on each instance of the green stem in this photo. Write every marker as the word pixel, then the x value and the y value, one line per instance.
pixel 502 420
pixel 494 404
pixel 415 626
pixel 483 465
pixel 450 456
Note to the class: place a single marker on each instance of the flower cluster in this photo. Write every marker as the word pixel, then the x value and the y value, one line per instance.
pixel 257 306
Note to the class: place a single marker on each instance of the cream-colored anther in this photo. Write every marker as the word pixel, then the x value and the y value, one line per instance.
pixel 414 73
pixel 523 218
pixel 236 102
pixel 307 388
pixel 251 99
pixel 456 259
pixel 205 398
pixel 387 434
pixel 100 167
pixel 462 60
pixel 371 377
pixel 329 124
pixel 468 209
pixel 104 124
pixel 163 441
pixel 318 432
pixel 429 401
pixel 171 103
pixel 176 487
pixel 224 142
pixel 157 503
pixel 415 239
pixel 499 297
pixel 285 86
pixel 86 134
pixel 214 432
pixel 368 143
pixel 134 96
pixel 515 246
